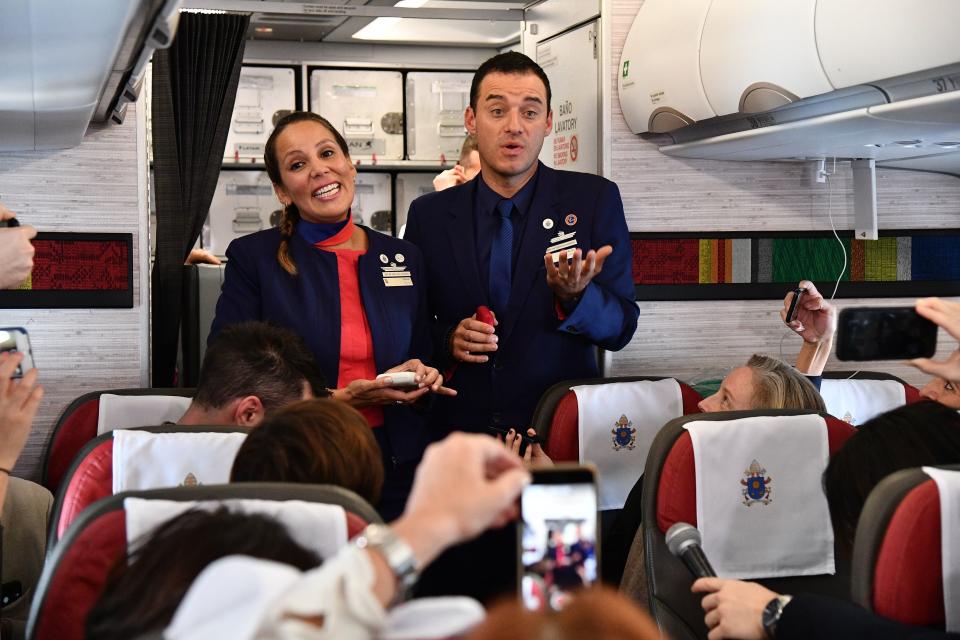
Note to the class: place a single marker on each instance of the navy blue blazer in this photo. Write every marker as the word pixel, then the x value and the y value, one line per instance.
pixel 256 287
pixel 536 349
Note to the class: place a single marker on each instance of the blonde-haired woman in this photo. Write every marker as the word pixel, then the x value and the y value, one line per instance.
pixel 356 296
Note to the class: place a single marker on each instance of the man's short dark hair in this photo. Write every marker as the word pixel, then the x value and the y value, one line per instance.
pixel 509 62
pixel 257 359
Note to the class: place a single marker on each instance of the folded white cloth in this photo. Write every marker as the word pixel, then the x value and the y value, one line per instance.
pixel 948 485
pixel 123 412
pixel 618 422
pixel 760 506
pixel 243 598
pixel 320 527
pixel 856 401
pixel 144 460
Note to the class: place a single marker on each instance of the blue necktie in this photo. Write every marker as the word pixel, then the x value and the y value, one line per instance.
pixel 501 259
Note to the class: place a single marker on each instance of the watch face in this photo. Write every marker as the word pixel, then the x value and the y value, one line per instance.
pixel 771 614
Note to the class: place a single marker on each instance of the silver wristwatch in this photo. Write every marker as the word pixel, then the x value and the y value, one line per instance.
pixel 395 551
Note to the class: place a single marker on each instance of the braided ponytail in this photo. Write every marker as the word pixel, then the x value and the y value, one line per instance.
pixel 288 222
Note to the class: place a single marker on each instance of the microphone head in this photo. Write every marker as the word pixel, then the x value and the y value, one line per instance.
pixel 680 536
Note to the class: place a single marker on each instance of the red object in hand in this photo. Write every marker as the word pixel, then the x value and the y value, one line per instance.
pixel 485 315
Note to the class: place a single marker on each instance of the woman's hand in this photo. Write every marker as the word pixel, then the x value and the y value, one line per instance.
pixel 19 400
pixel 534 456
pixel 364 393
pixel 427 377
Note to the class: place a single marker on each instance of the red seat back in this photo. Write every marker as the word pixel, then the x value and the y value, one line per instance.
pixel 77 426
pixel 897 554
pixel 76 572
pixel 90 477
pixel 557 418
pixel 669 497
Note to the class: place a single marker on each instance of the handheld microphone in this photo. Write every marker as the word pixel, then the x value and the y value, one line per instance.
pixel 683 540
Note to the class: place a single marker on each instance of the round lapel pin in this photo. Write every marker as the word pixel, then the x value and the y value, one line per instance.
pixel 547 223
pixel 571 219
pixel 384 259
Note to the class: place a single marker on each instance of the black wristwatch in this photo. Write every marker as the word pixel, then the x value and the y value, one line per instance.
pixel 772 613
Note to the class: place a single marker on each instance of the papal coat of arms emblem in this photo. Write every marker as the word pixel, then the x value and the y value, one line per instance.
pixel 624 435
pixel 756 485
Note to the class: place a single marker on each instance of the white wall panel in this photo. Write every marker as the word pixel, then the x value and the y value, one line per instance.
pixel 95 187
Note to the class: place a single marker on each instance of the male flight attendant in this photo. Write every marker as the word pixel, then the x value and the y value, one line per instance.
pixel 548 251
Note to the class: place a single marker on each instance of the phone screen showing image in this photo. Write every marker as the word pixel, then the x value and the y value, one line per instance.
pixel 558 538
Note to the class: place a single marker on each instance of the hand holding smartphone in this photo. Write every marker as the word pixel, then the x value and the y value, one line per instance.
pixel 795 305
pixel 16 339
pixel 885 333
pixel 558 536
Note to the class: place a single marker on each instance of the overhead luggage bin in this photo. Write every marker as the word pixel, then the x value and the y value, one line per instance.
pixel 659 80
pixel 264 95
pixel 365 106
pixel 860 42
pixel 435 105
pixel 757 55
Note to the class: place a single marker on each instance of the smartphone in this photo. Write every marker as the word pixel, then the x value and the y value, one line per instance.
pixel 17 339
pixel 884 333
pixel 795 304
pixel 557 538
pixel 10 222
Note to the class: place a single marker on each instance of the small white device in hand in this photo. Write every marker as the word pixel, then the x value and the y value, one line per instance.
pixel 401 379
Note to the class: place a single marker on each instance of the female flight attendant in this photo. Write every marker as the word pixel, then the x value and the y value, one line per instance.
pixel 355 296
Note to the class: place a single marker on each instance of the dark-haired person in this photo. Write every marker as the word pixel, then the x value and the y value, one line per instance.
pixel 914 435
pixel 249 369
pixel 313 442
pixel 355 296
pixel 465 170
pixel 143 591
pixel 464 485
pixel 493 241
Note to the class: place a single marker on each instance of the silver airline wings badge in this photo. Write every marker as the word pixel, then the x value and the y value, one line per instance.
pixel 395 272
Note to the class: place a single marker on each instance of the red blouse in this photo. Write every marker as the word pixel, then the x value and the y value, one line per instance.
pixel 356 342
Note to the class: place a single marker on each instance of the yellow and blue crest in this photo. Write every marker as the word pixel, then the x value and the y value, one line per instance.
pixel 756 485
pixel 624 435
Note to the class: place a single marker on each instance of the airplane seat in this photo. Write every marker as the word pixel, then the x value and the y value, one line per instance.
pixel 897 554
pixel 858 396
pixel 557 416
pixel 78 425
pixel 557 423
pixel 92 477
pixel 670 496
pixel 201 290
pixel 77 569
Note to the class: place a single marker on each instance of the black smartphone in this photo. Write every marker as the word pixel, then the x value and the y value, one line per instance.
pixel 884 333
pixel 795 304
pixel 501 432
pixel 17 339
pixel 558 550
pixel 10 222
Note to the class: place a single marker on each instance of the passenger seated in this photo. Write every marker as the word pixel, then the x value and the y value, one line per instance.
pixel 914 435
pixel 464 485
pixel 249 369
pixel 768 383
pixel 144 590
pixel 25 506
pixel 314 442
